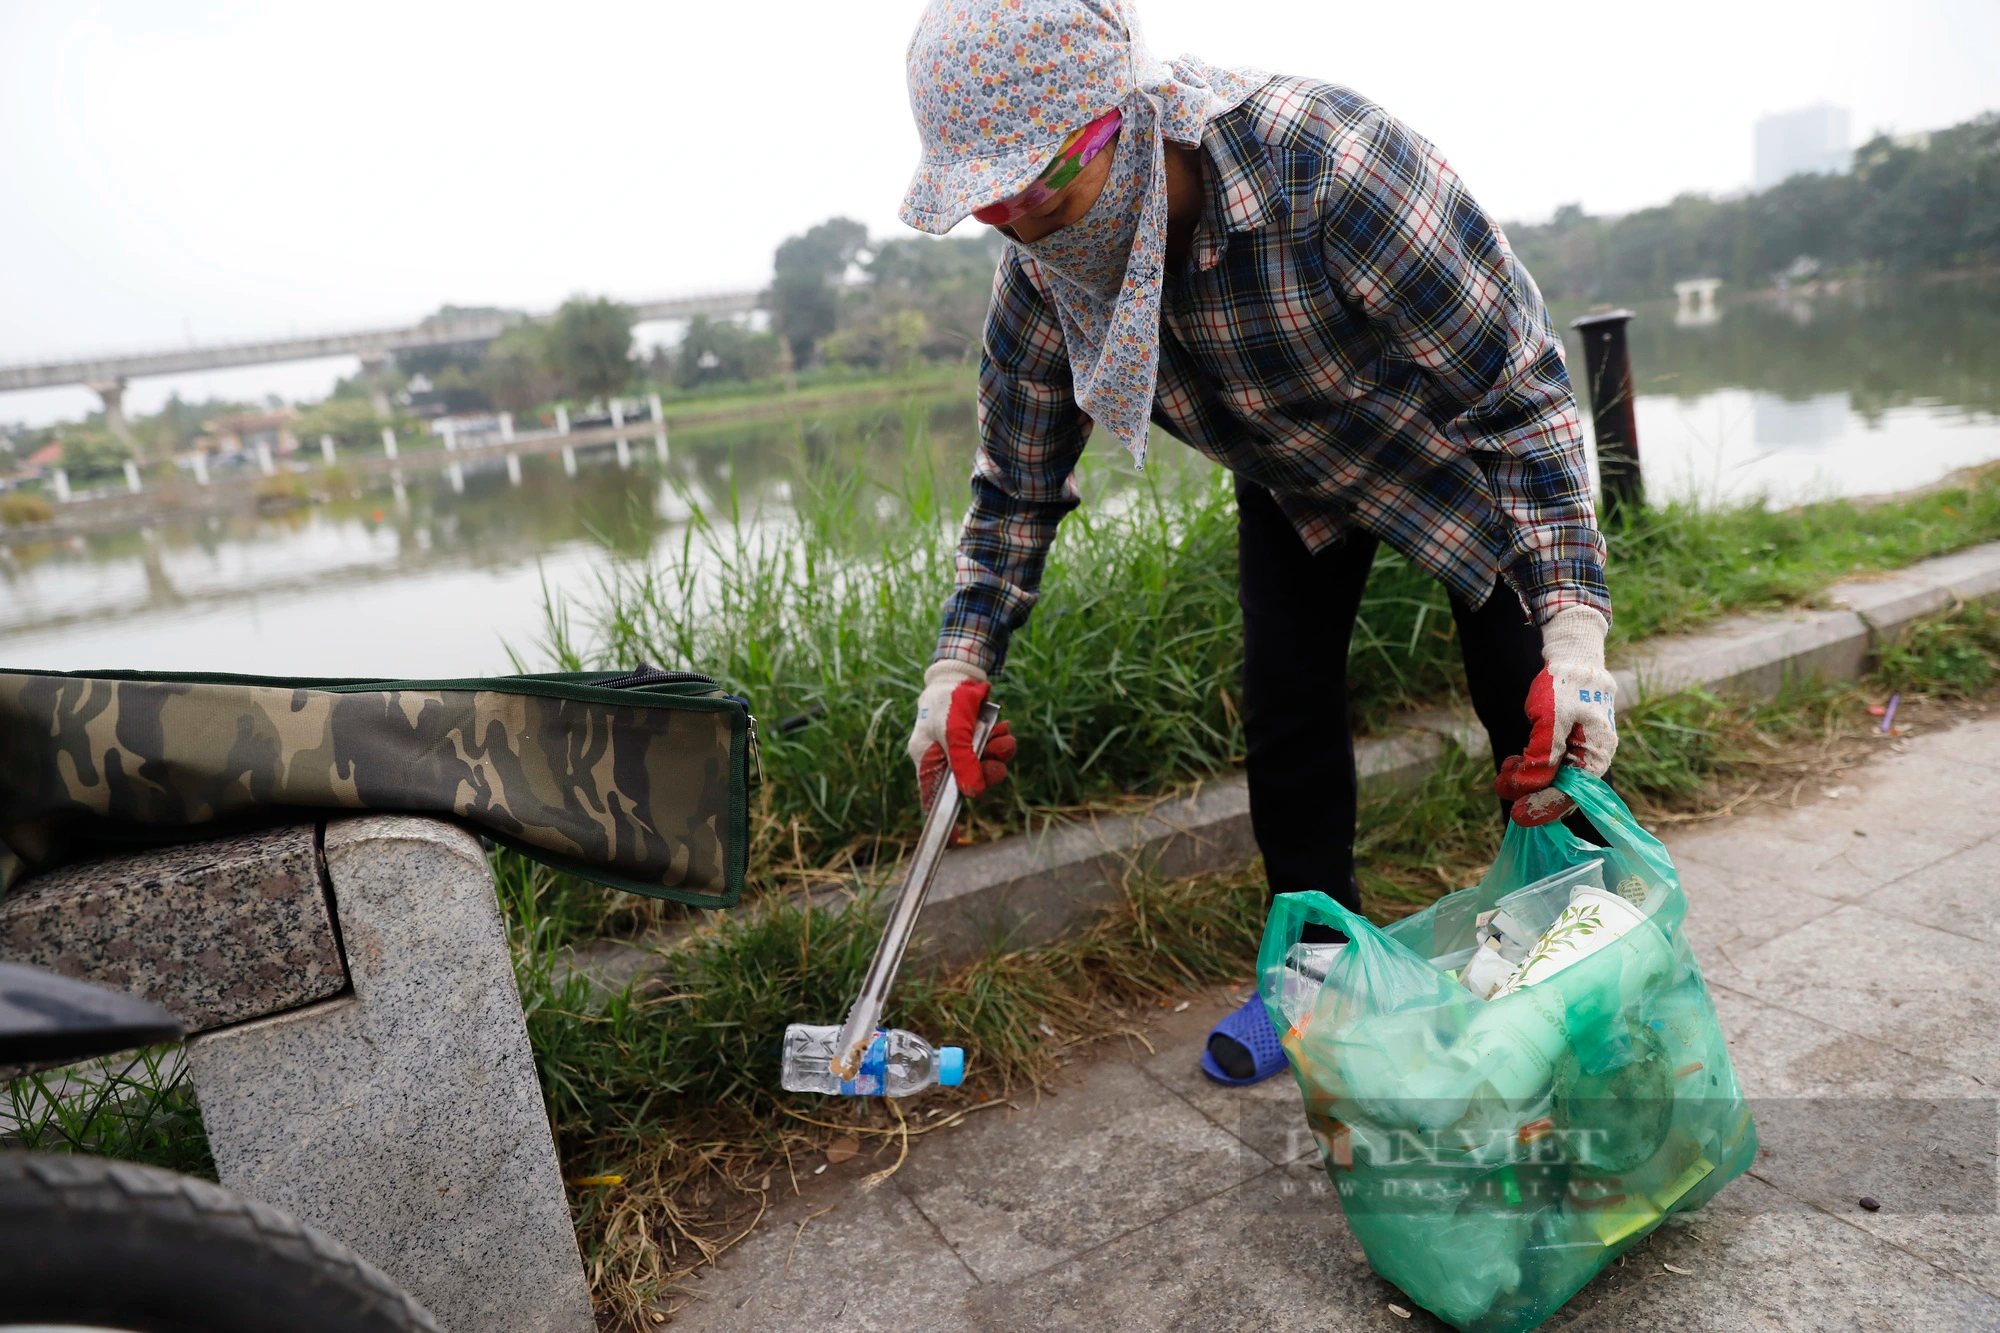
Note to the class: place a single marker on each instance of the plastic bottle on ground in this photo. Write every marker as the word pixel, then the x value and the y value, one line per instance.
pixel 897 1064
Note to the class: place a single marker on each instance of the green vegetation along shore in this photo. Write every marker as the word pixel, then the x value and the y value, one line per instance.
pixel 1123 681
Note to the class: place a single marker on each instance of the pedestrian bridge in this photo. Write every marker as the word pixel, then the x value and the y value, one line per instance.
pixel 111 371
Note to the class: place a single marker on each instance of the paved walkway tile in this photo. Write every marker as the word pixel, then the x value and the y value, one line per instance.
pixel 1264 1116
pixel 1258 1258
pixel 1914 987
pixel 1957 894
pixel 1733 910
pixel 1019 1193
pixel 1779 1053
pixel 1773 1266
pixel 870 1262
pixel 1894 815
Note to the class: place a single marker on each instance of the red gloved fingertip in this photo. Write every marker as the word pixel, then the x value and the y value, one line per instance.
pixel 1518 778
pixel 1541 807
pixel 959 723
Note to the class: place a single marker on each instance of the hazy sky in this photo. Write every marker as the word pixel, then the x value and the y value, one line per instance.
pixel 174 169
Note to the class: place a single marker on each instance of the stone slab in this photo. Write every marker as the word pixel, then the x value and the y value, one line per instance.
pixel 1262 1256
pixel 871 1261
pixel 1267 1118
pixel 1811 1014
pixel 1840 1116
pixel 1960 893
pixel 1896 815
pixel 1022 1190
pixel 1910 986
pixel 406 1119
pixel 1756 1259
pixel 1750 656
pixel 1738 908
pixel 1973 744
pixel 214 932
pixel 1780 1053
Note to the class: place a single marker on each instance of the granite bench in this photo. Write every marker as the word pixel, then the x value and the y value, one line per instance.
pixel 356 1044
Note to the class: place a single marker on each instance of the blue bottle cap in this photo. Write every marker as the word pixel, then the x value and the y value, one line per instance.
pixel 951 1066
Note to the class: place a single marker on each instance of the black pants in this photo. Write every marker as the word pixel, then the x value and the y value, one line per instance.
pixel 1298 618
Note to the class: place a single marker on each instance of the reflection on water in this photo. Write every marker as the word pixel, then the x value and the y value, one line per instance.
pixel 440 585
pixel 1815 420
pixel 1874 390
pixel 1877 388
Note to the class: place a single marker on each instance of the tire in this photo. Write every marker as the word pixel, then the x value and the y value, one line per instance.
pixel 110 1245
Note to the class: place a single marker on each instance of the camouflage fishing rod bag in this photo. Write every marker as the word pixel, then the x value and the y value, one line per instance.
pixel 636 780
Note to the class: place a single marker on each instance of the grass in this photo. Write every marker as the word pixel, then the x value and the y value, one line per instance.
pixel 138 1107
pixel 1122 684
pixel 814 389
pixel 17 508
pixel 1673 569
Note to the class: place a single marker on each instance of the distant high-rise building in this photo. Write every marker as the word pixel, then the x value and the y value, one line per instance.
pixel 1811 140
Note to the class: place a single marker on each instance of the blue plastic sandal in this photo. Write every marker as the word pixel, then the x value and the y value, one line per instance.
pixel 1249 1027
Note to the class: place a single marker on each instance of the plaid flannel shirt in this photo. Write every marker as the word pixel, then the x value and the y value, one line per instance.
pixel 1351 332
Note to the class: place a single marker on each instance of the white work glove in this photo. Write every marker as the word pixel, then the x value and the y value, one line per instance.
pixel 947 714
pixel 1571 707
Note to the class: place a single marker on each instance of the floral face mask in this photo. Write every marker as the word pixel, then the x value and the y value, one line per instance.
pixel 1070 160
pixel 1093 251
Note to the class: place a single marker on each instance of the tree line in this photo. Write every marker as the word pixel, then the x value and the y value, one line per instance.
pixel 1921 204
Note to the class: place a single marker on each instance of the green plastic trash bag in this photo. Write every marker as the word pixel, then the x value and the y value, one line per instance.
pixel 1492 1155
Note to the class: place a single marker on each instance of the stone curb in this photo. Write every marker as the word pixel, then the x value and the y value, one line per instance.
pixel 1032 888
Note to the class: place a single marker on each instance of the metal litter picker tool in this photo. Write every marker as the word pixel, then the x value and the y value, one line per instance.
pixel 859 1031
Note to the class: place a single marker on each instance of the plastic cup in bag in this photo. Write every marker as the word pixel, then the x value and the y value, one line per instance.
pixel 1306 968
pixel 1595 919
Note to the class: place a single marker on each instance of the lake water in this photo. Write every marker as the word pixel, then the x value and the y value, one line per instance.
pixel 1879 389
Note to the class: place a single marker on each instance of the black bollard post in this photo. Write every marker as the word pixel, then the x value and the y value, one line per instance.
pixel 1608 364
